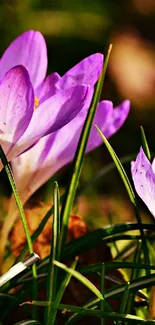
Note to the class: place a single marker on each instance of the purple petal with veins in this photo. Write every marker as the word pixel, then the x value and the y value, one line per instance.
pixel 16 106
pixel 54 151
pixel 144 180
pixel 29 50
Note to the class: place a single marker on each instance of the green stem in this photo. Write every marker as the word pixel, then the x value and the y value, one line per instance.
pixel 52 272
pixel 102 304
pixel 79 158
pixel 53 306
pixel 23 218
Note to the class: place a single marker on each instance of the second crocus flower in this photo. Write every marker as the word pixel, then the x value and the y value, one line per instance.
pixel 143 175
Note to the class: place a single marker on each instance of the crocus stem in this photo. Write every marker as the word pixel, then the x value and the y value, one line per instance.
pixel 52 269
pixel 79 158
pixel 23 218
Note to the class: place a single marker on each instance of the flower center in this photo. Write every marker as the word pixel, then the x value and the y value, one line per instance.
pixel 36 103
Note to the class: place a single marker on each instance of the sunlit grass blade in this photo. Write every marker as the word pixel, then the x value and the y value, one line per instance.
pixel 52 311
pixel 28 322
pixel 79 157
pixel 134 275
pixel 17 198
pixel 129 319
pixel 92 304
pixel 114 265
pixel 145 144
pixel 81 278
pixel 124 300
pixel 23 218
pixel 102 304
pixel 52 273
pixel 134 286
pixel 130 193
pixel 95 239
pixel 119 167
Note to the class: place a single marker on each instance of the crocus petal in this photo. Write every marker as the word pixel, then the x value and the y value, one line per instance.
pixel 52 152
pixel 109 121
pixel 29 50
pixel 144 180
pixel 85 72
pixel 25 166
pixel 53 114
pixel 48 87
pixel 153 165
pixel 16 106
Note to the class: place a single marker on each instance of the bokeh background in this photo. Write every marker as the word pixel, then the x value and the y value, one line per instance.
pixel 74 30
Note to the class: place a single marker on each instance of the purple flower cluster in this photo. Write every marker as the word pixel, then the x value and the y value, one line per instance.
pixel 42 117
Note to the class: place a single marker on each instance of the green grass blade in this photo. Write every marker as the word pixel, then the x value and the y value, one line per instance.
pixel 28 322
pixel 23 218
pixel 135 285
pixel 134 275
pixel 52 273
pixel 79 158
pixel 119 167
pixel 53 307
pixel 17 198
pixel 145 144
pixel 95 238
pixel 129 319
pixel 102 304
pixel 130 193
pixel 81 278
pixel 125 297
pixel 114 265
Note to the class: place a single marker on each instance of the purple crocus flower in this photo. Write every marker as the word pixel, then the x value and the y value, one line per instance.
pixel 34 167
pixel 143 175
pixel 32 106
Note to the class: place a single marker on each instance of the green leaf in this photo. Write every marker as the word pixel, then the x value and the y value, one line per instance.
pixel 119 167
pixel 114 265
pixel 130 193
pixel 114 293
pixel 125 298
pixel 95 238
pixel 81 278
pixel 28 322
pixel 23 218
pixel 134 275
pixel 102 304
pixel 129 319
pixel 17 198
pixel 79 158
pixel 52 273
pixel 145 144
pixel 54 306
